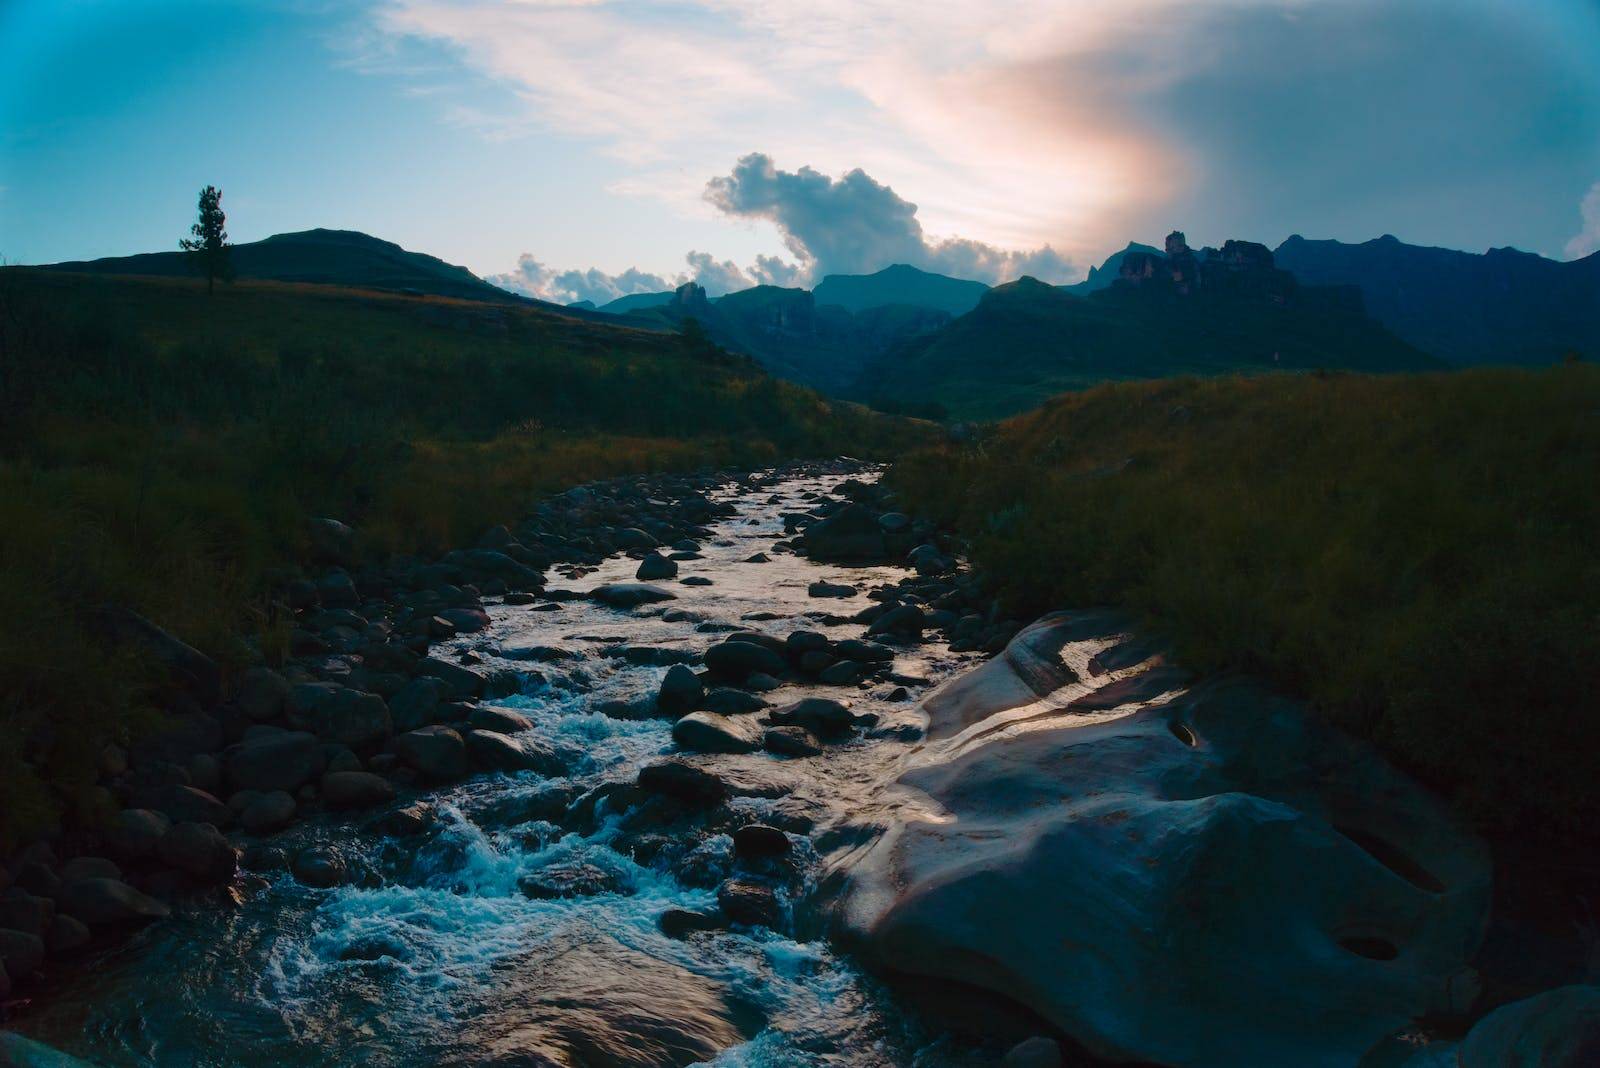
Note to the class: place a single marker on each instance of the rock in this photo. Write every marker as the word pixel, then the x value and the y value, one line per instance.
pixel 844 673
pixel 1556 1029
pixel 66 934
pixel 319 867
pixel 21 953
pixel 355 789
pixel 822 716
pixel 199 850
pixel 185 804
pixel 135 832
pixel 19 1052
pixel 707 732
pixel 725 701
pixel 697 580
pixel 500 752
pixel 679 924
pixel 790 741
pixel 630 594
pixel 98 901
pixel 331 541
pixel 465 620
pixel 461 682
pixel 850 535
pixel 341 759
pixel 830 589
pixel 655 567
pixel 192 669
pixel 262 695
pixel 270 811
pixel 685 782
pixel 906 620
pixel 757 841
pixel 37 878
pixel 22 911
pixel 750 903
pixel 761 682
pixel 1222 850
pixel 680 691
pixel 417 703
pixel 436 752
pixel 634 538
pixel 498 720
pixel 94 867
pixel 408 821
pixel 862 652
pixel 178 739
pixel 574 879
pixel 739 659
pixel 340 714
pixel 1035 1052
pixel 285 761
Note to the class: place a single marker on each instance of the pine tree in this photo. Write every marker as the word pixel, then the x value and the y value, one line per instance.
pixel 210 241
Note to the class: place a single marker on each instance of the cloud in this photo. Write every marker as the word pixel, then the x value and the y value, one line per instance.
pixel 1587 240
pixel 533 279
pixel 856 225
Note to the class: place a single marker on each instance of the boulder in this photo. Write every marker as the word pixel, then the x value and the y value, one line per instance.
pixel 1164 874
pixel 21 953
pixel 94 867
pixel 750 903
pixel 22 911
pixel 331 541
pixel 98 901
pixel 757 841
pixel 417 703
pixel 738 660
pixel 500 752
pixel 17 1051
pixel 684 782
pixel 66 934
pixel 726 701
pixel 285 761
pixel 200 851
pixel 1556 1029
pixel 462 683
pixel 498 720
pixel 190 668
pixel 850 535
pixel 862 652
pixel 680 691
pixel 1035 1052
pixel 134 834
pixel 790 741
pixel 630 594
pixel 185 804
pixel 319 867
pixel 822 716
pixel 340 714
pixel 262 695
pixel 830 589
pixel 655 567
pixel 435 752
pixel 355 789
pixel 268 812
pixel 707 732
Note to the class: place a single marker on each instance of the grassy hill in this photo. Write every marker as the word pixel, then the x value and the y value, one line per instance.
pixel 900 284
pixel 1415 553
pixel 1026 341
pixel 162 450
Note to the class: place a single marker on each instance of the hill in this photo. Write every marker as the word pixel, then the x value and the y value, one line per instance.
pixel 900 284
pixel 1503 306
pixel 636 302
pixel 1102 276
pixel 162 450
pixel 323 257
pixel 1026 341
pixel 1412 552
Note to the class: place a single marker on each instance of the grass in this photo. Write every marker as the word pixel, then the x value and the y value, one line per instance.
pixel 161 450
pixel 1414 553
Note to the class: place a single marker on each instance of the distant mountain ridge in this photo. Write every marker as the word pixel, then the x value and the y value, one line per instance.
pixel 1501 306
pixel 1102 276
pixel 900 283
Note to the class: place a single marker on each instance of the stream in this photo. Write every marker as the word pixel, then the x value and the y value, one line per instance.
pixel 436 954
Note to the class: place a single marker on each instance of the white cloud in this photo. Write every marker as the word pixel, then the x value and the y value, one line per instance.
pixel 533 279
pixel 1587 240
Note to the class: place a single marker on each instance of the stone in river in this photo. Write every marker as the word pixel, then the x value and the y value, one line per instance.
pixel 655 566
pixel 738 660
pixel 355 789
pixel 707 732
pixel 630 594
pixel 99 900
pixel 437 752
pixel 680 691
pixel 790 741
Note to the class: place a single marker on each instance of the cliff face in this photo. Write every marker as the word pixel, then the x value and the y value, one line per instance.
pixel 1239 268
pixel 1503 306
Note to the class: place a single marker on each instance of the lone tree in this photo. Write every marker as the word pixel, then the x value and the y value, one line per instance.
pixel 210 241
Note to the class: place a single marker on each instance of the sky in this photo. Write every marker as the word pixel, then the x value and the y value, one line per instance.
pixel 585 149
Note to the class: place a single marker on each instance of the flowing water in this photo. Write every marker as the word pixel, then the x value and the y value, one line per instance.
pixel 435 956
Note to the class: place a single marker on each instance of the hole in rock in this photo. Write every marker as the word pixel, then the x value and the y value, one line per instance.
pixel 1370 946
pixel 1393 858
pixel 1182 732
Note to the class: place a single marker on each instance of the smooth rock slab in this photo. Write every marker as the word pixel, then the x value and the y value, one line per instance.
pixel 630 594
pixel 1213 879
pixel 707 732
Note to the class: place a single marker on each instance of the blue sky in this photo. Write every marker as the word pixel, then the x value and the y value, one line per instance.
pixel 556 144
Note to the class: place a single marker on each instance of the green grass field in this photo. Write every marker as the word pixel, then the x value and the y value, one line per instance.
pixel 1415 553
pixel 161 450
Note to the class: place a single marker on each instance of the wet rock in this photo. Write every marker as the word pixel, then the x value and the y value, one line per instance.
pixel 105 901
pixel 498 720
pixel 679 924
pixel 21 953
pixel 761 682
pixel 739 659
pixel 200 851
pixel 355 789
pixel 93 867
pixel 135 832
pixel 680 691
pixel 655 567
pixel 574 879
pixel 725 701
pixel 830 589
pixel 750 903
pixel 340 714
pixel 407 821
pixel 318 867
pixel 540 653
pixel 417 703
pixel 268 812
pixel 822 716
pixel 758 558
pixel 22 911
pixel 500 752
pixel 683 782
pixel 862 652
pixel 185 804
pixel 67 934
pixel 1035 1052
pixel 283 761
pixel 630 594
pixel 844 673
pixel 637 709
pixel 906 620
pixel 707 732
pixel 461 682
pixel 850 535
pixel 790 741
pixel 436 752
pixel 1556 1029
pixel 465 620
pixel 757 841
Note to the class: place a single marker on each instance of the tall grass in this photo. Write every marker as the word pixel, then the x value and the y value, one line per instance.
pixel 1418 554
pixel 162 450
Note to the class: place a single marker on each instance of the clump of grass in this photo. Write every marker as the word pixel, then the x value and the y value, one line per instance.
pixel 1414 553
pixel 161 450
